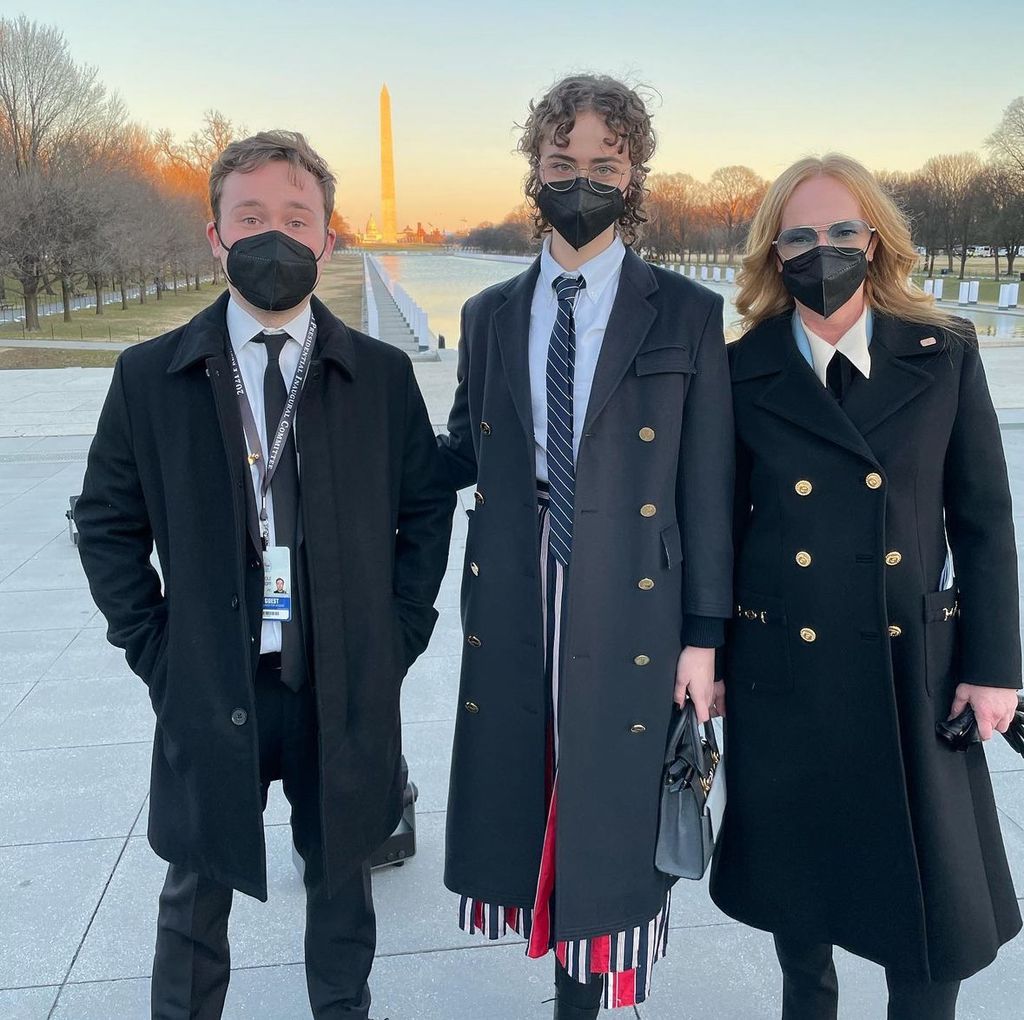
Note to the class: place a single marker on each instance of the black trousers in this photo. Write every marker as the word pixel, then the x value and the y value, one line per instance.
pixel 575 1000
pixel 192 965
pixel 810 990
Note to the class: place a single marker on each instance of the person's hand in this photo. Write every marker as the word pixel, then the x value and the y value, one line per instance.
pixel 994 707
pixel 718 705
pixel 695 679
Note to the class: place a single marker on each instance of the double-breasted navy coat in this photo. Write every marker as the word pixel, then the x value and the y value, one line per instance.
pixel 651 545
pixel 848 821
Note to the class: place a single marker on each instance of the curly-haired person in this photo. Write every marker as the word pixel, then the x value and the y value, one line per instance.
pixel 593 415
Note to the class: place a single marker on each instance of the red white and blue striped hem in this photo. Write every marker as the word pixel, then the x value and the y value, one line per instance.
pixel 625 960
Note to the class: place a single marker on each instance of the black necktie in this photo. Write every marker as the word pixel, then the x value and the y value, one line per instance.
pixel 839 376
pixel 284 493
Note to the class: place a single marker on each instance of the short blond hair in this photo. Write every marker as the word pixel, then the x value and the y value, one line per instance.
pixel 249 154
pixel 762 295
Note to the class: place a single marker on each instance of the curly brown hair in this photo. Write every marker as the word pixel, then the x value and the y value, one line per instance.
pixel 554 116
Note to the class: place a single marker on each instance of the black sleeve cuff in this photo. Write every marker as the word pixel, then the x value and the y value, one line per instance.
pixel 703 631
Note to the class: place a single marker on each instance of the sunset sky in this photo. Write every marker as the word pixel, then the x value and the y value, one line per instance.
pixel 743 82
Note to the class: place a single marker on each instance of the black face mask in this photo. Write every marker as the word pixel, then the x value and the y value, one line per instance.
pixel 271 270
pixel 824 279
pixel 580 214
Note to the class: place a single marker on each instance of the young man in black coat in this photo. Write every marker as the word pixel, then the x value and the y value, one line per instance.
pixel 265 439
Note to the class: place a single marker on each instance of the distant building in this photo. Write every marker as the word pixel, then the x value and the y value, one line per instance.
pixel 421 235
pixel 371 235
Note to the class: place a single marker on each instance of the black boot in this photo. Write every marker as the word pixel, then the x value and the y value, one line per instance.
pixel 576 1001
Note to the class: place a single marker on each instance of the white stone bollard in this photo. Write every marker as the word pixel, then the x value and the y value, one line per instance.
pixel 965 293
pixel 730 275
pixel 703 272
pixel 693 272
pixel 929 286
pixel 1004 296
pixel 716 274
pixel 937 291
pixel 975 287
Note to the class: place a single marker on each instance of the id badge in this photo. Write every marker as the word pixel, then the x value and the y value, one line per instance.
pixel 277 584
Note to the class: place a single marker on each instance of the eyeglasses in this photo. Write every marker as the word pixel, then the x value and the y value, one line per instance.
pixel 602 179
pixel 848 237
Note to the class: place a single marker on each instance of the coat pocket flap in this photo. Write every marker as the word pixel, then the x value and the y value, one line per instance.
pixel 760 609
pixel 672 543
pixel 941 606
pixel 664 359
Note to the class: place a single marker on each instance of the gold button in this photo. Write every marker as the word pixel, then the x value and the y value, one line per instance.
pixel 647 434
pixel 642 660
pixel 893 558
pixel 479 497
pixel 648 510
pixel 485 428
pixel 873 480
pixel 472 706
pixel 895 630
pixel 808 635
pixel 803 559
pixel 638 728
pixel 803 487
pixel 475 568
pixel 473 640
pixel 645 584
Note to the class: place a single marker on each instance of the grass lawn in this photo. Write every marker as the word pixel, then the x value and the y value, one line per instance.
pixel 26 357
pixel 341 288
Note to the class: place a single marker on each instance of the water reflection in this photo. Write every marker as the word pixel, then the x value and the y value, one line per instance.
pixel 442 283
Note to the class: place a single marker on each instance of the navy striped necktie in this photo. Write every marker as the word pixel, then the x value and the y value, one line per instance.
pixel 561 372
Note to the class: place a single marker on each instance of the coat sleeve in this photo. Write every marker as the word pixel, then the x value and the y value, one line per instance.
pixel 457 450
pixel 706 488
pixel 115 539
pixel 426 504
pixel 979 524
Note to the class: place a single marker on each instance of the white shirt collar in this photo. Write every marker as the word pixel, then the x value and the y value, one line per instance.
pixel 242 327
pixel 853 343
pixel 598 271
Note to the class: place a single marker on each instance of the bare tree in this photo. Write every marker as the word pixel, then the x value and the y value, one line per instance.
pixel 48 103
pixel 955 180
pixel 735 193
pixel 1007 141
pixel 674 203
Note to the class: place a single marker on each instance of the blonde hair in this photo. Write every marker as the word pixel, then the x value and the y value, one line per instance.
pixel 889 289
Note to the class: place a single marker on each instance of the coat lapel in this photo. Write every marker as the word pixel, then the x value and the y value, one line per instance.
pixel 796 393
pixel 512 326
pixel 205 340
pixel 895 380
pixel 631 318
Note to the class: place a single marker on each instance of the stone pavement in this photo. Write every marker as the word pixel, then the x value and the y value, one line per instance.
pixel 79 884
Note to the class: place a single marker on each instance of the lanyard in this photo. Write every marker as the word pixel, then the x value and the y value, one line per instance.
pixel 266 467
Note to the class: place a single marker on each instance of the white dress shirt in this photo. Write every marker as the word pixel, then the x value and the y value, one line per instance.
pixel 252 363
pixel 853 343
pixel 593 307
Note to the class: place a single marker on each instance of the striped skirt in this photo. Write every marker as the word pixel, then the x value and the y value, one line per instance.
pixel 624 959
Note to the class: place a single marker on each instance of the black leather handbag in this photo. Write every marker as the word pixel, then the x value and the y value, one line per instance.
pixel 959 733
pixel 692 795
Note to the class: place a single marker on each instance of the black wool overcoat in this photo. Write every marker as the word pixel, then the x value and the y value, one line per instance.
pixel 168 466
pixel 651 542
pixel 848 821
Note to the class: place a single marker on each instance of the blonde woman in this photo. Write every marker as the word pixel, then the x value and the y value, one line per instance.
pixel 867 446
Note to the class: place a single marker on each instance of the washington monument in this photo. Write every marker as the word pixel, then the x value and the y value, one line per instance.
pixel 388 220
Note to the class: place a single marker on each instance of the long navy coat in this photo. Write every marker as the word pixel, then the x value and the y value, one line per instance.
pixel 654 479
pixel 168 467
pixel 848 821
